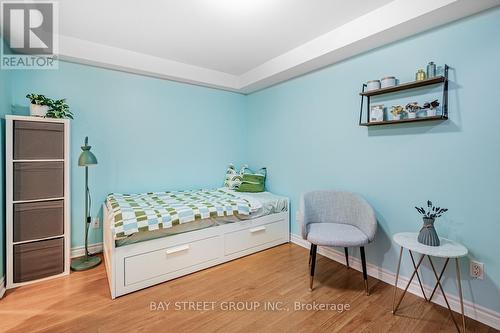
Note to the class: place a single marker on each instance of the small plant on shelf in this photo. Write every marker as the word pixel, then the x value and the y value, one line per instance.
pixel 38 99
pixel 428 234
pixel 397 111
pixel 59 109
pixel 41 106
pixel 431 108
pixel 412 109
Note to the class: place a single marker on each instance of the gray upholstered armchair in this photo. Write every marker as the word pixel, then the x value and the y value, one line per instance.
pixel 332 218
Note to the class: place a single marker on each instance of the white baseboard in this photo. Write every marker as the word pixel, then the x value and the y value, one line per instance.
pixel 79 251
pixel 477 312
pixel 2 286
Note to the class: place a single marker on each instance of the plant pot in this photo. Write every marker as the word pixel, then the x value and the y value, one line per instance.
pixel 431 112
pixel 395 117
pixel 412 115
pixel 38 110
pixel 428 235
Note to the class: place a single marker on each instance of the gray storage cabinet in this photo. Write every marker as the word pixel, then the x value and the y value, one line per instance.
pixel 37 199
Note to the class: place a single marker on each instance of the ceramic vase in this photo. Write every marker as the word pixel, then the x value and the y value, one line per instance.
pixel 428 235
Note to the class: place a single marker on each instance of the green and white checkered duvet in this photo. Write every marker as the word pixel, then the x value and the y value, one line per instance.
pixel 132 213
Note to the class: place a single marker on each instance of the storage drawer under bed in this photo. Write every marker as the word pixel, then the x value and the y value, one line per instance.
pixel 255 236
pixel 146 266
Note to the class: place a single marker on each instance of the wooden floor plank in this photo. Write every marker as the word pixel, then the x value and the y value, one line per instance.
pixel 82 303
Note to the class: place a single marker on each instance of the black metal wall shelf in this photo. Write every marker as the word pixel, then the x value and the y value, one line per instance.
pixel 403 87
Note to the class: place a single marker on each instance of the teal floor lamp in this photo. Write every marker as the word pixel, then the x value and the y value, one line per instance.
pixel 87 158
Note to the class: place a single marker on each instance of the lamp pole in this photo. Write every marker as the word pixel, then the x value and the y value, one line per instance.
pixel 88 260
pixel 87 217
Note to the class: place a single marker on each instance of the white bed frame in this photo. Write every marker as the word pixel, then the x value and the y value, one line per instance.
pixel 140 265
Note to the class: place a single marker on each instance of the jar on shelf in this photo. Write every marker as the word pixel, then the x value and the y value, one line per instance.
pixel 420 75
pixel 372 85
pixel 388 81
pixel 431 70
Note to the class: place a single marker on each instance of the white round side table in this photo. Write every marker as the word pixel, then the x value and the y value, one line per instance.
pixel 448 249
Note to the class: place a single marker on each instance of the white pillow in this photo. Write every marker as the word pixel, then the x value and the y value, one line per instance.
pixel 233 178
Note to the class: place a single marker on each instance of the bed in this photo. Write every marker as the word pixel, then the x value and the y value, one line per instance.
pixel 151 238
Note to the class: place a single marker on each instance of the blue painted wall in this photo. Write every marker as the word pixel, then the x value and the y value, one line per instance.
pixel 147 134
pixel 306 132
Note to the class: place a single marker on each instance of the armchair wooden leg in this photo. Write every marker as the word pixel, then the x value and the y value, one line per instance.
pixel 314 249
pixel 363 263
pixel 310 254
pixel 346 256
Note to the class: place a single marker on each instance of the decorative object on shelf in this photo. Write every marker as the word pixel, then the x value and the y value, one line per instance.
pixel 41 106
pixel 388 81
pixel 377 113
pixel 86 159
pixel 420 75
pixel 373 85
pixel 431 108
pixel 428 235
pixel 59 109
pixel 397 111
pixel 431 70
pixel 412 109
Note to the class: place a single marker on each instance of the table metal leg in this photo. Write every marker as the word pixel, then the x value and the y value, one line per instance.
pixel 408 285
pixel 397 278
pixel 444 295
pixel 459 282
pixel 418 276
pixel 439 279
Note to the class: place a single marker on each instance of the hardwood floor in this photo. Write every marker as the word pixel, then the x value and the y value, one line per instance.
pixel 82 303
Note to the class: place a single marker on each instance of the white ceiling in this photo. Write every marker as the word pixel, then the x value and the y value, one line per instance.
pixel 241 45
pixel 231 36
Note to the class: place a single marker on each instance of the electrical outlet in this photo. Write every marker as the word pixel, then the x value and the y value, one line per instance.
pixel 95 223
pixel 476 270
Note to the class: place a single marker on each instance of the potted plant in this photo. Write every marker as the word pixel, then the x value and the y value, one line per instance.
pixel 412 109
pixel 431 108
pixel 59 109
pixel 42 106
pixel 39 104
pixel 396 112
pixel 428 234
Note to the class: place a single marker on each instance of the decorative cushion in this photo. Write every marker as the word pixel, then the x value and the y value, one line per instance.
pixel 336 234
pixel 253 182
pixel 233 178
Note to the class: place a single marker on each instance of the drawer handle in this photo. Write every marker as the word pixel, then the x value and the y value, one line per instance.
pixel 178 249
pixel 257 229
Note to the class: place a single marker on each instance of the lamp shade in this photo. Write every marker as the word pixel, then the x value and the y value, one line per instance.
pixel 87 157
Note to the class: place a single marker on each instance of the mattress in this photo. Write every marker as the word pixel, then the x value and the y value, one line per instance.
pixel 264 203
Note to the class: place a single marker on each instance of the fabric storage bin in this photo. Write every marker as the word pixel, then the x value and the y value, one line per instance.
pixel 35 220
pixel 38 140
pixel 38 180
pixel 37 260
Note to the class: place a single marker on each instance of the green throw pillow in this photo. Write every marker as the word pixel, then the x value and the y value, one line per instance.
pixel 253 182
